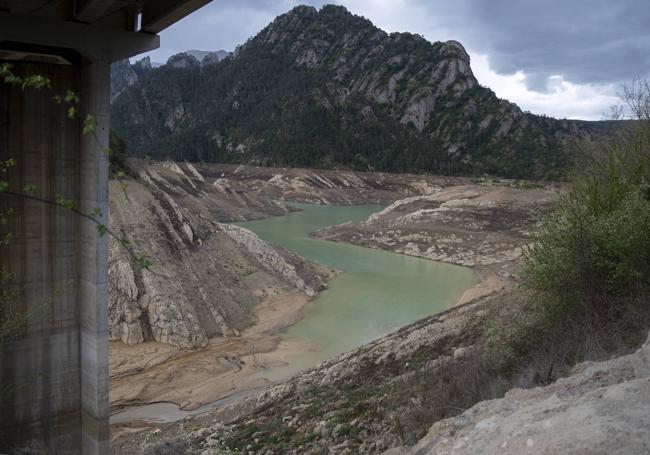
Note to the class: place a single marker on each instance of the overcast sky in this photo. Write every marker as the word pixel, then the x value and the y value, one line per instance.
pixel 563 58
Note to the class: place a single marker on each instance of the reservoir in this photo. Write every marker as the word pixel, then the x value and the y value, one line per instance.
pixel 378 291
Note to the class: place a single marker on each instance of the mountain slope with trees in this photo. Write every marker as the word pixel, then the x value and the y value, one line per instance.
pixel 326 88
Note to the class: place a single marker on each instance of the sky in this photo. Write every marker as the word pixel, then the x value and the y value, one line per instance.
pixel 562 58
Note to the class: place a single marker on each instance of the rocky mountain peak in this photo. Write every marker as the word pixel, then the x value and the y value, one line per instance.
pixel 299 11
pixel 208 57
pixel 183 60
pixel 142 66
pixel 462 53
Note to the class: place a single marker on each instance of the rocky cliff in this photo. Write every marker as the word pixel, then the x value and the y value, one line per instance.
pixel 124 74
pixel 325 88
pixel 206 277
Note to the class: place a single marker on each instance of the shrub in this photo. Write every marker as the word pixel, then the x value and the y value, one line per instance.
pixel 587 271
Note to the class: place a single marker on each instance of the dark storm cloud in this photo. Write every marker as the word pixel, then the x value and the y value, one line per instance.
pixel 586 41
pixel 222 24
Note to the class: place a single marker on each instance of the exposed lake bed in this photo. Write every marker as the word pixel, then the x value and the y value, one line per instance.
pixel 375 293
pixel 309 328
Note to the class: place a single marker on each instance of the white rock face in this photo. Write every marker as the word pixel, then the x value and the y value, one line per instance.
pixel 267 256
pixel 124 310
pixel 602 408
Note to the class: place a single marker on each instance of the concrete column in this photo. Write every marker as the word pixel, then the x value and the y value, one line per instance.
pixel 39 369
pixel 93 260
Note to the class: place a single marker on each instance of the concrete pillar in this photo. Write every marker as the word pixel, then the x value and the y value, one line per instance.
pixel 93 259
pixel 56 369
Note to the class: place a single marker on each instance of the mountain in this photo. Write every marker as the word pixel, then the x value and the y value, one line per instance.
pixel 326 88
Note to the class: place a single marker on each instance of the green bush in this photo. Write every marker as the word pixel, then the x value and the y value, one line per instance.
pixel 587 270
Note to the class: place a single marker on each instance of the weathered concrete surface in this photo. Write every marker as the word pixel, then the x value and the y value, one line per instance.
pixel 601 408
pixel 54 373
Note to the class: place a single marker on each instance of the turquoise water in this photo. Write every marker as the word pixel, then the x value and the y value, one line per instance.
pixel 377 292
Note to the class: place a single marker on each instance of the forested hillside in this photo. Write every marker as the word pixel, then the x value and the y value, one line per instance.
pixel 326 88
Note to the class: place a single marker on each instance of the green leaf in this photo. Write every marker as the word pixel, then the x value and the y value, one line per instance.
pixel 5 69
pixel 65 203
pixel 5 165
pixel 37 81
pixel 30 190
pixel 4 186
pixel 101 230
pixel 71 97
pixel 89 124
pixel 144 262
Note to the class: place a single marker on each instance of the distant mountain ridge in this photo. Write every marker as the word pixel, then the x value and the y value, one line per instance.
pixel 124 74
pixel 326 88
pixel 202 55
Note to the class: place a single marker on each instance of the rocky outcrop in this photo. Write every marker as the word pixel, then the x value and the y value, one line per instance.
pixel 122 77
pixel 183 60
pixel 208 57
pixel 601 408
pixel 269 257
pixel 125 74
pixel 206 277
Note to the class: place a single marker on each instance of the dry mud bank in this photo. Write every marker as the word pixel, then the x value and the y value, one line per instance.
pixel 156 372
